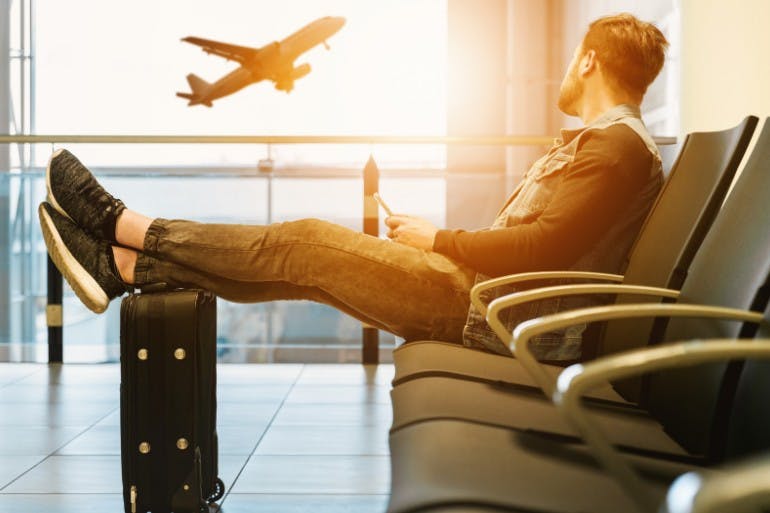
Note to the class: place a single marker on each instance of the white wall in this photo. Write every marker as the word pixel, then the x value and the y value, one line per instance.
pixel 725 63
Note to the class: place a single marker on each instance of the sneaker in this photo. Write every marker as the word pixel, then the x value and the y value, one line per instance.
pixel 74 192
pixel 85 262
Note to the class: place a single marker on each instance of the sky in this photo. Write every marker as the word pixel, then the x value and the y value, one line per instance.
pixel 113 67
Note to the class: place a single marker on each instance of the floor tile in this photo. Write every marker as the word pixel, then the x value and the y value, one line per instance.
pixel 112 419
pixel 99 440
pixel 230 466
pixel 315 475
pixel 272 374
pixel 351 414
pixel 240 440
pixel 318 394
pixel 71 474
pixel 251 393
pixel 14 467
pixel 346 374
pixel 61 503
pixel 42 394
pixel 238 414
pixel 74 373
pixel 17 441
pixel 263 503
pixel 54 415
pixel 13 372
pixel 325 440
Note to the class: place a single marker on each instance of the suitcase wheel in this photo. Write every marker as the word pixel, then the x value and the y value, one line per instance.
pixel 218 492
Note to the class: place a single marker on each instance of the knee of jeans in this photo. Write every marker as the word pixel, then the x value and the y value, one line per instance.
pixel 309 223
pixel 305 229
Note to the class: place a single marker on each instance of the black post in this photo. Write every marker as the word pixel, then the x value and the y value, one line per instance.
pixel 54 315
pixel 370 350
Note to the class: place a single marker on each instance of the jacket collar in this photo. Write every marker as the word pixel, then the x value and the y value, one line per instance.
pixel 612 115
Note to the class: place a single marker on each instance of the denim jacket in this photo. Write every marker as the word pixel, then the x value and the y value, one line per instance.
pixel 608 255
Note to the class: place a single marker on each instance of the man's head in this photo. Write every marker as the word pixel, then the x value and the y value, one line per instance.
pixel 618 53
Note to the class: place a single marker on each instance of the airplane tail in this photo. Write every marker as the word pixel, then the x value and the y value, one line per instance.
pixel 199 88
pixel 197 84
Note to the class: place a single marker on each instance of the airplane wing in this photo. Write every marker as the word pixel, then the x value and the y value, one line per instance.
pixel 228 51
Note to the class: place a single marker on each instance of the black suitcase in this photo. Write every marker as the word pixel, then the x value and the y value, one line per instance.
pixel 168 402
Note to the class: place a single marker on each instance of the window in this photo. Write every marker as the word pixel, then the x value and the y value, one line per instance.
pixel 106 68
pixel 114 69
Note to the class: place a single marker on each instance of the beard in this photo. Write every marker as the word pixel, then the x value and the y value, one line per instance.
pixel 570 92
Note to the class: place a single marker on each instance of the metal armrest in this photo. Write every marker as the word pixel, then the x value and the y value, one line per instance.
pixel 525 331
pixel 517 298
pixel 577 379
pixel 544 275
pixel 740 487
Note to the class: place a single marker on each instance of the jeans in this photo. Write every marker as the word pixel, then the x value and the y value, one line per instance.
pixel 409 292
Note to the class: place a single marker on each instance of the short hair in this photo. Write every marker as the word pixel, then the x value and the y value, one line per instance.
pixel 631 51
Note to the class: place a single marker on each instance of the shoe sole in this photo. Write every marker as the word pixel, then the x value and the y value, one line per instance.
pixel 85 286
pixel 49 196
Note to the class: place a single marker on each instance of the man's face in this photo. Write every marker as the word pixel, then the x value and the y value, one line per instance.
pixel 572 86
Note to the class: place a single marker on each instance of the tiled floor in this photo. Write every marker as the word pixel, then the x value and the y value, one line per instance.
pixel 293 438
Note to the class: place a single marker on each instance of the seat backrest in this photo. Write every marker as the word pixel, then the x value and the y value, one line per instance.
pixel 749 430
pixel 687 205
pixel 731 269
pixel 749 425
pixel 676 225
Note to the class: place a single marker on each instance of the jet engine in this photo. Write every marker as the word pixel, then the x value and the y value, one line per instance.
pixel 300 71
pixel 286 82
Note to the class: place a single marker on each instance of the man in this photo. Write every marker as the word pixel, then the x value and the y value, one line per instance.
pixel 578 207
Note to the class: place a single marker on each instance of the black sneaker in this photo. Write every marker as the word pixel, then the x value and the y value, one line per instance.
pixel 74 192
pixel 85 262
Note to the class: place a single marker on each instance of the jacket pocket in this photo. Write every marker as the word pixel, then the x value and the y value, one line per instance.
pixel 554 165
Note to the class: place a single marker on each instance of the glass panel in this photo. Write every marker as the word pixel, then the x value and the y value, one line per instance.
pixel 246 332
pixel 22 268
pixel 117 74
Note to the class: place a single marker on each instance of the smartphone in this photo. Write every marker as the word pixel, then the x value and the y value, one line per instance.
pixel 383 205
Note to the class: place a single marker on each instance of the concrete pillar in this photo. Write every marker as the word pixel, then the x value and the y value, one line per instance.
pixel 504 70
pixel 5 117
pixel 476 107
pixel 5 81
pixel 533 78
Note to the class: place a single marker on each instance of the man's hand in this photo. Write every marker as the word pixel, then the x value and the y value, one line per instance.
pixel 411 231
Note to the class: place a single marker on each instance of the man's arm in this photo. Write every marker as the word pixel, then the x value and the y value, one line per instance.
pixel 609 170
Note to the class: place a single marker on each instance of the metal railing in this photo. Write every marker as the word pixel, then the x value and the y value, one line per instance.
pixel 509 140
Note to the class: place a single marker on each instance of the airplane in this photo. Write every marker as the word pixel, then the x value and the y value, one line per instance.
pixel 274 62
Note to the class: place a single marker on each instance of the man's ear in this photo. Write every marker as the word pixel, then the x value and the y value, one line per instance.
pixel 588 63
